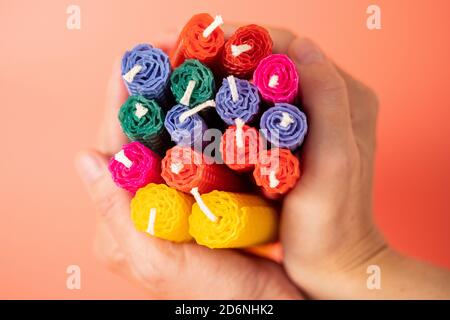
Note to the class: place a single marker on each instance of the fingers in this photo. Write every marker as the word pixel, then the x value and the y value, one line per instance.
pixel 111 137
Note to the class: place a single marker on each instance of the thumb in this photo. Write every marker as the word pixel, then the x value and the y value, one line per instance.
pixel 111 201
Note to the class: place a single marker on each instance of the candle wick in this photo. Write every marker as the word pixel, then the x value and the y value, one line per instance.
pixel 151 221
pixel 211 216
pixel 233 88
pixel 123 159
pixel 239 132
pixel 210 29
pixel 185 100
pixel 273 181
pixel 273 81
pixel 129 76
pixel 198 108
pixel 286 120
pixel 140 110
pixel 237 50
pixel 176 167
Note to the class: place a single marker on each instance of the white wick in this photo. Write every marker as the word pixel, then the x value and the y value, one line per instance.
pixel 273 81
pixel 185 100
pixel 273 181
pixel 129 76
pixel 202 205
pixel 123 159
pixel 200 107
pixel 151 222
pixel 239 132
pixel 286 120
pixel 176 167
pixel 217 22
pixel 233 88
pixel 140 110
pixel 237 50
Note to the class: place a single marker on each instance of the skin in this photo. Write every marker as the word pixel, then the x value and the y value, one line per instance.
pixel 327 232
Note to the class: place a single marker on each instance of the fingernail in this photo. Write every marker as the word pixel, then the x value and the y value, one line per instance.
pixel 305 51
pixel 89 167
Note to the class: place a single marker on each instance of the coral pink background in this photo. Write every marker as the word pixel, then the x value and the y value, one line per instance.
pixel 52 83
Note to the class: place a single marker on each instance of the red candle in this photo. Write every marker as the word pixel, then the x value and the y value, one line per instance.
pixel 277 171
pixel 239 147
pixel 184 169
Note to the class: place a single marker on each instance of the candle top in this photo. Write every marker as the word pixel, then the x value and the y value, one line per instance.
pixel 245 49
pixel 187 132
pixel 245 107
pixel 192 70
pixel 135 166
pixel 201 38
pixel 277 79
pixel 284 126
pixel 277 170
pixel 146 71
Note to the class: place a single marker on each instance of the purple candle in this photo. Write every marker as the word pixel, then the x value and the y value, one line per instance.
pixel 284 126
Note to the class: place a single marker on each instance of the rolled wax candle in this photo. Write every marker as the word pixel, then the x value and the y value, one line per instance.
pixel 232 220
pixel 185 169
pixel 277 79
pixel 162 212
pixel 146 72
pixel 239 147
pixel 284 126
pixel 192 83
pixel 201 39
pixel 244 50
pixel 185 130
pixel 135 166
pixel 143 120
pixel 237 99
pixel 277 171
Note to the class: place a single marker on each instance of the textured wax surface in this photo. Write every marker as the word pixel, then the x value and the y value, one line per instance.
pixel 240 158
pixel 244 220
pixel 192 45
pixel 245 63
pixel 286 169
pixel 187 133
pixel 172 211
pixel 245 108
pixel 197 171
pixel 145 168
pixel 202 75
pixel 290 136
pixel 285 88
pixel 153 80
pixel 149 129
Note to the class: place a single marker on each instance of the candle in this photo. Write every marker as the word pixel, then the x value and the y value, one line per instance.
pixel 284 126
pixel 162 212
pixel 277 171
pixel 135 166
pixel 239 147
pixel 192 83
pixel 237 99
pixel 185 169
pixel 277 79
pixel 146 71
pixel 143 120
pixel 201 38
pixel 244 50
pixel 185 131
pixel 232 220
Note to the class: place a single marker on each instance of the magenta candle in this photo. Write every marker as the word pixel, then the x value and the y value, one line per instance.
pixel 135 166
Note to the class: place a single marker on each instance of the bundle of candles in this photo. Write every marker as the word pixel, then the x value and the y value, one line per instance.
pixel 215 128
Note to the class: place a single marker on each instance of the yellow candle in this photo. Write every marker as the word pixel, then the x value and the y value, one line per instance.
pixel 232 220
pixel 162 212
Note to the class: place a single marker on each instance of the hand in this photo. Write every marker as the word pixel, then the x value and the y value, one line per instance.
pixel 164 269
